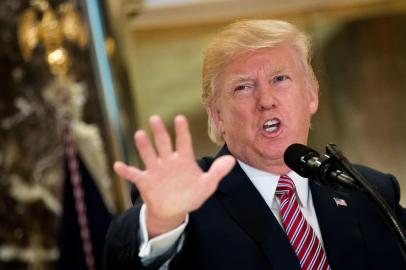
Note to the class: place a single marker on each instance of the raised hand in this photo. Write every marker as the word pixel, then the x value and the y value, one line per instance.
pixel 172 184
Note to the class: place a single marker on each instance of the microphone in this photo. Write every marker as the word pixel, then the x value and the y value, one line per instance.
pixel 308 163
pixel 326 169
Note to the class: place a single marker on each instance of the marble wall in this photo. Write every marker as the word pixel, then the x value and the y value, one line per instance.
pixel 31 145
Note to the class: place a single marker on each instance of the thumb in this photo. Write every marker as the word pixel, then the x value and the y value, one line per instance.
pixel 219 169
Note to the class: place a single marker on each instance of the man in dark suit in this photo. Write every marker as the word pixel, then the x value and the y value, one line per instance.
pixel 244 208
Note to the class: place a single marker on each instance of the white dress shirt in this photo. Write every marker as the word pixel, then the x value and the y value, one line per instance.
pixel 264 182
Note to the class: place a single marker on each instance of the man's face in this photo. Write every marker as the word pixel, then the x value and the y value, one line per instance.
pixel 265 103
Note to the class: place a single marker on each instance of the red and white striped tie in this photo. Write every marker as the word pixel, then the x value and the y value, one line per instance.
pixel 301 235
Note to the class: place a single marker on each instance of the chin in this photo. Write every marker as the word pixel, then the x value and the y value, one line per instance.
pixel 273 154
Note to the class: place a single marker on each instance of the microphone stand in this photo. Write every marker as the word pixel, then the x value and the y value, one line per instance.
pixel 359 182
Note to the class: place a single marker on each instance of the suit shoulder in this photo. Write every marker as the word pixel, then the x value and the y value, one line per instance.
pixel 375 177
pixel 205 163
pixel 385 183
pixel 123 226
pixel 121 243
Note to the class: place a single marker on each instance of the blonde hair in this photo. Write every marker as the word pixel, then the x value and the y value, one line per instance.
pixel 241 37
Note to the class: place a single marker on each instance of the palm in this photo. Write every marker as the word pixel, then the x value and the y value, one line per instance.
pixel 172 183
pixel 178 186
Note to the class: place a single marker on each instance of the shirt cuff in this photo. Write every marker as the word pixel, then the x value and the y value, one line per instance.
pixel 159 245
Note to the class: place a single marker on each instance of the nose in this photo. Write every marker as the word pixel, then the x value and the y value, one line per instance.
pixel 266 98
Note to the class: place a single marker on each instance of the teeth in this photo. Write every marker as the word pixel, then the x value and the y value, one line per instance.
pixel 271 125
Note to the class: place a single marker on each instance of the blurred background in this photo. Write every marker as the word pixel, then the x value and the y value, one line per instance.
pixel 79 77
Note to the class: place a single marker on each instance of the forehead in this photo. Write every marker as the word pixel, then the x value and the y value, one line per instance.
pixel 269 60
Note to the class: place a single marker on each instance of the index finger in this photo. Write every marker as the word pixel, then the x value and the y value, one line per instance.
pixel 183 137
pixel 128 172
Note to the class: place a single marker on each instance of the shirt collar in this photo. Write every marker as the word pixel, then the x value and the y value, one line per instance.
pixel 266 183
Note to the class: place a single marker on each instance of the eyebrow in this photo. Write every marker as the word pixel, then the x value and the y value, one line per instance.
pixel 278 69
pixel 242 77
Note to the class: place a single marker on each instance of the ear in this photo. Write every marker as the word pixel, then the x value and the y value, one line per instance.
pixel 313 97
pixel 215 114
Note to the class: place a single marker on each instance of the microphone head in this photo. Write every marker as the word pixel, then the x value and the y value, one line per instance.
pixel 296 156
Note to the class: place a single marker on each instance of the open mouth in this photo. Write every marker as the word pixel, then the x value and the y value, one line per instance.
pixel 271 125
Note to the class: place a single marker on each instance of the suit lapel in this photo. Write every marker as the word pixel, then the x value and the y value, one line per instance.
pixel 341 234
pixel 245 204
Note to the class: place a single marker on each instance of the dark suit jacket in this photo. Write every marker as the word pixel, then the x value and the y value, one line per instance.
pixel 235 229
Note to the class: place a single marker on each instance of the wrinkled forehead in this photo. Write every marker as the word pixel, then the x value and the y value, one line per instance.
pixel 266 61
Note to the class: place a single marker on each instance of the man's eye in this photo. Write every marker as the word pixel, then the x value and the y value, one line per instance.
pixel 280 78
pixel 241 87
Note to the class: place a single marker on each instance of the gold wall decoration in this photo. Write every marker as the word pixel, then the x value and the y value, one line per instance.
pixel 52 30
pixel 40 24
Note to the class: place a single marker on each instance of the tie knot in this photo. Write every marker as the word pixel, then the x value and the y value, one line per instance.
pixel 285 185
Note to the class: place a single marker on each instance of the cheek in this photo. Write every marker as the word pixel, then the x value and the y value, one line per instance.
pixel 236 119
pixel 303 119
pixel 305 104
pixel 299 113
